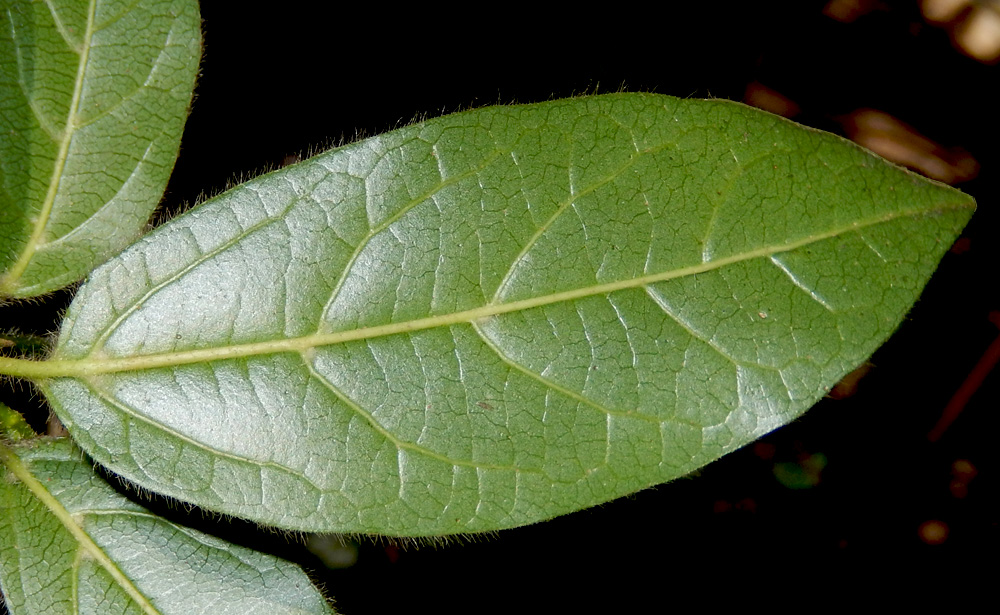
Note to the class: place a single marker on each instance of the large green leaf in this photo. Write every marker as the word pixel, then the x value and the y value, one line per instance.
pixel 495 317
pixel 93 99
pixel 69 544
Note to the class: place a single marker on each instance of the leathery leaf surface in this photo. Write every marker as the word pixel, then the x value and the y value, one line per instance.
pixel 495 317
pixel 93 99
pixel 71 545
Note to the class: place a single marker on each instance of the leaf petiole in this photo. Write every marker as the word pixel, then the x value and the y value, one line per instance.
pixel 25 368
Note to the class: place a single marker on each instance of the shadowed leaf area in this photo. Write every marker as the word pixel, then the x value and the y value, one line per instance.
pixel 70 544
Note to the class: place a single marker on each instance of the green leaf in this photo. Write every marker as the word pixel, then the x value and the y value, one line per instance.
pixel 495 317
pixel 70 544
pixel 93 99
pixel 13 426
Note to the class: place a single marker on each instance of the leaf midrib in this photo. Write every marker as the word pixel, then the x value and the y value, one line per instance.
pixel 58 368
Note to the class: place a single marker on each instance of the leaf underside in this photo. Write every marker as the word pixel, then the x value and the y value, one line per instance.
pixel 165 568
pixel 93 99
pixel 496 317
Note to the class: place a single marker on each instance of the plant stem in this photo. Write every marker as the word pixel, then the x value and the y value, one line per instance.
pixel 25 368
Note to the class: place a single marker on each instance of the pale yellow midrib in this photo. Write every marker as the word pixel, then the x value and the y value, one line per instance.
pixel 58 368
pixel 9 281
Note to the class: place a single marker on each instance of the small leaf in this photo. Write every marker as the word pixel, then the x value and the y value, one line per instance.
pixel 70 544
pixel 13 426
pixel 93 100
pixel 495 317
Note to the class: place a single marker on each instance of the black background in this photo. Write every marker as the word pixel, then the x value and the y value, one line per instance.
pixel 305 75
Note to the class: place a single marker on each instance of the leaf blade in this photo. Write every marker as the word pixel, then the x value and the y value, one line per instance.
pixel 495 317
pixel 76 546
pixel 95 96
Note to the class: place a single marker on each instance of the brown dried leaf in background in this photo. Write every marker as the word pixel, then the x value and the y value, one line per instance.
pixel 974 27
pixel 941 12
pixel 846 11
pixel 760 96
pixel 979 34
pixel 901 143
pixel 848 385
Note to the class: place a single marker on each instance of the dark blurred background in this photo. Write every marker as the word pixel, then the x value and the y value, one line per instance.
pixel 853 488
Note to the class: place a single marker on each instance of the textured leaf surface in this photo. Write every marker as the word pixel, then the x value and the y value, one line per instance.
pixel 70 544
pixel 93 99
pixel 496 317
pixel 12 425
